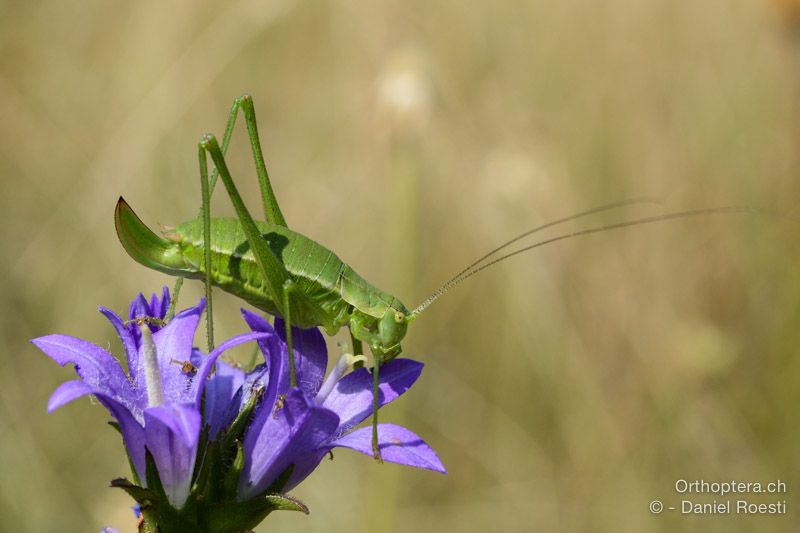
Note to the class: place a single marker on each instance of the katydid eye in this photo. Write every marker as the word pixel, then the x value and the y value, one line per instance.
pixel 399 317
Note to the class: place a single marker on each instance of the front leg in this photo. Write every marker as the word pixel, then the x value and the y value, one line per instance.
pixel 288 287
pixel 376 356
pixel 358 349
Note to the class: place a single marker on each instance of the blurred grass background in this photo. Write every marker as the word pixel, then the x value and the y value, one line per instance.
pixel 565 389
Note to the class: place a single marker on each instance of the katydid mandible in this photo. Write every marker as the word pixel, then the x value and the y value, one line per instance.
pixel 287 274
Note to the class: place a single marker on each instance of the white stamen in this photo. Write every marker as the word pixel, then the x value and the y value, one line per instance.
pixel 342 365
pixel 152 373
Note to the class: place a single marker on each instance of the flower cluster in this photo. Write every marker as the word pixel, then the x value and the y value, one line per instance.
pixel 213 447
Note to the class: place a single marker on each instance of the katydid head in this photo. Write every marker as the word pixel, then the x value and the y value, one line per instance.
pixel 392 328
pixel 385 333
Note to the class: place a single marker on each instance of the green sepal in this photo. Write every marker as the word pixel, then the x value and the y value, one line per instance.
pixel 158 516
pixel 231 482
pixel 201 475
pixel 235 432
pixel 206 471
pixel 230 457
pixel 243 516
pixel 143 496
pixel 152 477
pixel 284 502
pixel 156 513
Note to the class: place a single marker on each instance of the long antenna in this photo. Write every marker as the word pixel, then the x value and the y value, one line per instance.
pixel 592 211
pixel 471 271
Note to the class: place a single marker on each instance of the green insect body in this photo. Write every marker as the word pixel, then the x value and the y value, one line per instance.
pixel 334 295
pixel 287 274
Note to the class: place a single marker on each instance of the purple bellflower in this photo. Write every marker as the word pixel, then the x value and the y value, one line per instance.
pixel 212 447
pixel 156 405
pixel 320 414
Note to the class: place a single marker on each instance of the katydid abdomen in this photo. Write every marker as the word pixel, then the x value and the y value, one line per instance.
pixel 329 292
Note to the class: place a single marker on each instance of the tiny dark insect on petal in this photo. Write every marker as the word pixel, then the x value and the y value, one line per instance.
pixel 278 405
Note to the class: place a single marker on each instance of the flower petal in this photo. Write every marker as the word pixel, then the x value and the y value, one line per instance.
pixel 154 309
pixel 175 340
pixel 174 346
pixel 195 391
pixel 66 392
pixel 310 356
pixel 276 439
pixel 132 433
pixel 139 307
pixel 397 445
pixel 223 397
pixel 304 465
pixel 94 365
pixel 351 399
pixel 127 338
pixel 274 357
pixel 159 306
pixel 172 434
pixel 131 429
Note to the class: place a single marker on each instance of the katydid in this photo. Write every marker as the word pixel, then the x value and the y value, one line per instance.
pixel 287 274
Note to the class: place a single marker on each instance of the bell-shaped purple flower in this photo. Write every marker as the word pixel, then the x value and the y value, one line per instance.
pixel 297 427
pixel 157 403
pixel 218 452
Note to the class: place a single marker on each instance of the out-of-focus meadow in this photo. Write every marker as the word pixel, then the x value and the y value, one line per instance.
pixel 565 389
